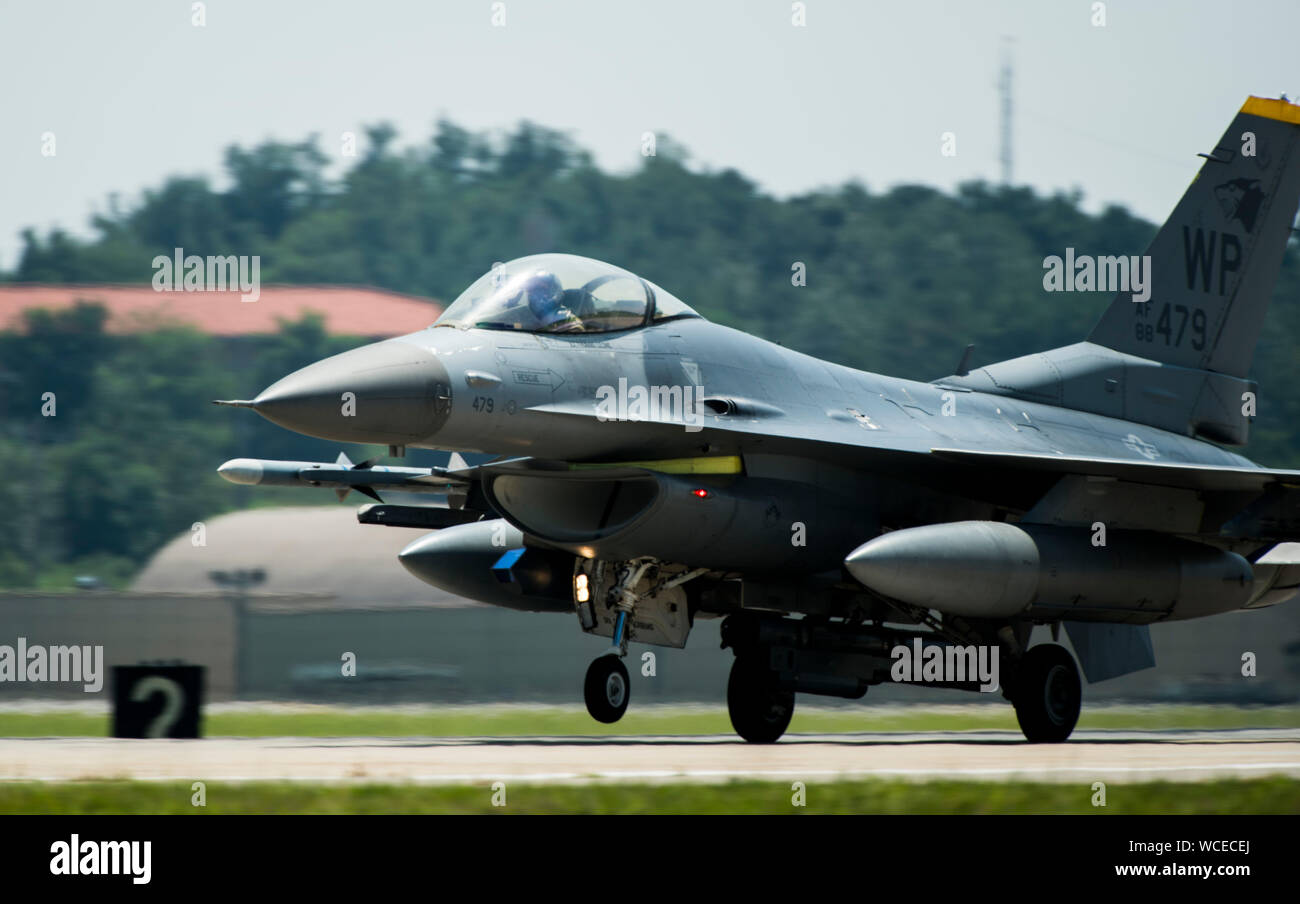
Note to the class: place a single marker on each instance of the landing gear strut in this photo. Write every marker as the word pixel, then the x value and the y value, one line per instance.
pixel 760 711
pixel 610 594
pixel 607 689
pixel 1047 694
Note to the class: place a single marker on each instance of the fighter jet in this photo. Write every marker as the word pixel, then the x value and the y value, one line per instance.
pixel 643 467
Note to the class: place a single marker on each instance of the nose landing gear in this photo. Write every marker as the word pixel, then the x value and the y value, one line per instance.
pixel 642 587
pixel 606 689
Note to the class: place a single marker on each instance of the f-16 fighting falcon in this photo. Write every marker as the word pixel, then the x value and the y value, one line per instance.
pixel 652 468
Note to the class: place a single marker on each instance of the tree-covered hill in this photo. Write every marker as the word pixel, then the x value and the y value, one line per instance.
pixel 896 282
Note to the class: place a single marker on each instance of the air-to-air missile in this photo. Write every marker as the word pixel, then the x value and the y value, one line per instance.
pixel 341 476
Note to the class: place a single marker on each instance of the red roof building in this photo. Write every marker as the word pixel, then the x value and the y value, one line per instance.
pixel 347 310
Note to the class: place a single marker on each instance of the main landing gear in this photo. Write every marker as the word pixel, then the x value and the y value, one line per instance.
pixel 760 711
pixel 1047 693
pixel 778 656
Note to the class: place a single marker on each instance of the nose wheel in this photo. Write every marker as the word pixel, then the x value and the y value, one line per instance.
pixel 606 689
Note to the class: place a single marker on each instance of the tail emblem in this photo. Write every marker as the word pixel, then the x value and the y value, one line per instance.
pixel 1240 199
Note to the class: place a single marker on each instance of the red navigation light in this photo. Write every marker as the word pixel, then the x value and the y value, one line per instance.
pixel 702 493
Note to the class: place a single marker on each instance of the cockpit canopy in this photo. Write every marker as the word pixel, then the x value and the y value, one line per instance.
pixel 561 293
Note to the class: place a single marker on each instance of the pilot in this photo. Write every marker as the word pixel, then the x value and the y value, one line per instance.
pixel 545 299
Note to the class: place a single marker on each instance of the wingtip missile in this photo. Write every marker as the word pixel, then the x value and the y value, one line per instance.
pixel 340 475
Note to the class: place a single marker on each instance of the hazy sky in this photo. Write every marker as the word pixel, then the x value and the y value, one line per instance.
pixel 133 92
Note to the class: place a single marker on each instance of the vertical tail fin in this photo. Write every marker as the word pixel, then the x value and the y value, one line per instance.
pixel 1215 261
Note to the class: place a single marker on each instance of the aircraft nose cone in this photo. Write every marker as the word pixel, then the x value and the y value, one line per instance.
pixel 388 393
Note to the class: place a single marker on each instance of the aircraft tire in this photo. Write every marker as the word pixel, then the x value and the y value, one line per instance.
pixel 1048 694
pixel 760 712
pixel 607 689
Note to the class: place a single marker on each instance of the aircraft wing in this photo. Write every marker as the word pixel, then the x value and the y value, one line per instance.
pixel 1245 502
pixel 1256 503
pixel 1170 474
pixel 910 453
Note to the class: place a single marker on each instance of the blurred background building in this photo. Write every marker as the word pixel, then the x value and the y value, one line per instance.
pixel 364 312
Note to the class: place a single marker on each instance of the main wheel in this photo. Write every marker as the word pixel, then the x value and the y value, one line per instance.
pixel 1048 694
pixel 760 711
pixel 606 689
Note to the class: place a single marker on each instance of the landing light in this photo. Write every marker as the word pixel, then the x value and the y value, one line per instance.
pixel 580 592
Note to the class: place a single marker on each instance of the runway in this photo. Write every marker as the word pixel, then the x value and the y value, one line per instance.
pixel 1110 756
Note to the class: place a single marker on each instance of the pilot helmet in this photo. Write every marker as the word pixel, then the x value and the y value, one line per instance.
pixel 544 290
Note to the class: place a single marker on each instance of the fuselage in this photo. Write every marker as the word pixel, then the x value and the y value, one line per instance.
pixel 816 439
pixel 538 394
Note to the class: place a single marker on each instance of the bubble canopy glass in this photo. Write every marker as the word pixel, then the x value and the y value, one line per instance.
pixel 560 293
